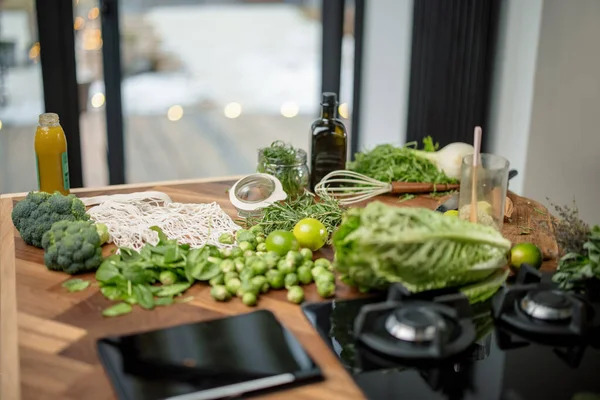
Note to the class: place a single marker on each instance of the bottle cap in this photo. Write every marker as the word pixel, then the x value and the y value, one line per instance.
pixel 329 99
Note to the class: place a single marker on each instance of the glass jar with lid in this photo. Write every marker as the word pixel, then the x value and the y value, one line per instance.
pixel 286 164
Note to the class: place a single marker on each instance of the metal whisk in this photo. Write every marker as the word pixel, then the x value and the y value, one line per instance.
pixel 350 187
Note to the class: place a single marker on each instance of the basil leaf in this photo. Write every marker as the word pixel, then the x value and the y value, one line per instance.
pixel 144 296
pixel 163 301
pixel 76 285
pixel 108 270
pixel 117 309
pixel 172 290
pixel 111 292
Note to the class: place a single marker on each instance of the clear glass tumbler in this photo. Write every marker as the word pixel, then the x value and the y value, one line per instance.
pixel 491 185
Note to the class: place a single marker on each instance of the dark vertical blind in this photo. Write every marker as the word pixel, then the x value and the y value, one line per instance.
pixel 453 47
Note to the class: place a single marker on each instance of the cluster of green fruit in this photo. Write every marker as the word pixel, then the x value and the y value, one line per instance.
pixel 260 263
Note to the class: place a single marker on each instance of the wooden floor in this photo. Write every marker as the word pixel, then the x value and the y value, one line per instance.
pixel 203 144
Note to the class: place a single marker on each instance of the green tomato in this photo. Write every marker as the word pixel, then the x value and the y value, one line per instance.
pixel 281 242
pixel 295 294
pixel 294 257
pixel 291 280
pixel 227 266
pixel 231 275
pixel 217 280
pixel 286 266
pixel 261 247
pixel 275 278
pixel 261 283
pixel 220 293
pixel 304 275
pixel 249 299
pixel 325 288
pixel 325 263
pixel 307 254
pixel 233 285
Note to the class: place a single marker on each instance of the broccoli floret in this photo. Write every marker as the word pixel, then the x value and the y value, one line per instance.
pixel 72 247
pixel 34 215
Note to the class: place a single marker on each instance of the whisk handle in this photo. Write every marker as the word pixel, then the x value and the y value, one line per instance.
pixel 417 187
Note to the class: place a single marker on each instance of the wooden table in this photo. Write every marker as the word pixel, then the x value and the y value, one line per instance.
pixel 47 340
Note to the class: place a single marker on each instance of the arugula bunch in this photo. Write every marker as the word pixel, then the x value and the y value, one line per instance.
pixel 575 268
pixel 156 274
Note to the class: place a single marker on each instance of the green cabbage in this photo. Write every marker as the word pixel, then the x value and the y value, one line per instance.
pixel 420 248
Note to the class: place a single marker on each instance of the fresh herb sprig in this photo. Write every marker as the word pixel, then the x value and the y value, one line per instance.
pixel 286 214
pixel 570 231
pixel 281 160
pixel 388 163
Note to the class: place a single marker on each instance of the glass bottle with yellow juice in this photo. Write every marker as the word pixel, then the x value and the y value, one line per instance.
pixel 51 155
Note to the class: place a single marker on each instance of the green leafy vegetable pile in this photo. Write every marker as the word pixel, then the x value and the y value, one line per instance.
pixel 420 248
pixel 285 163
pixel 34 215
pixel 74 246
pixel 285 215
pixel 575 268
pixel 388 163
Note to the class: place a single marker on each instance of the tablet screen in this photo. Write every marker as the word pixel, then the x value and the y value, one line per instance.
pixel 206 360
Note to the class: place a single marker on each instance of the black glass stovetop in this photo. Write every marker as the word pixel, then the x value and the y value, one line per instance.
pixel 497 365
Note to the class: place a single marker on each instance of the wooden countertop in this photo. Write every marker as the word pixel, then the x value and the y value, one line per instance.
pixel 47 340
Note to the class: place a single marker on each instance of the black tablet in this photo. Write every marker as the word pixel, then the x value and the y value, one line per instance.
pixel 221 358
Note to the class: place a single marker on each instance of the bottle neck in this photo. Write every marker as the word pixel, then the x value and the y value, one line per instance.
pixel 48 120
pixel 328 112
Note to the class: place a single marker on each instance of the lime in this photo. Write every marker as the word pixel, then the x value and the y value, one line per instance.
pixel 452 213
pixel 311 233
pixel 281 242
pixel 525 253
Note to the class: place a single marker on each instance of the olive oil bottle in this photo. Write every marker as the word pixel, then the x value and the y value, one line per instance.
pixel 328 141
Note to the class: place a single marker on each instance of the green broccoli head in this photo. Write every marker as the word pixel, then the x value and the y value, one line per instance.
pixel 72 247
pixel 34 215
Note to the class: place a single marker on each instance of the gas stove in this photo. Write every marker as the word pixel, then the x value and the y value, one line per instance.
pixel 530 341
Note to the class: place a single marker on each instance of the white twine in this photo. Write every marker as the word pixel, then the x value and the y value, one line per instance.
pixel 128 222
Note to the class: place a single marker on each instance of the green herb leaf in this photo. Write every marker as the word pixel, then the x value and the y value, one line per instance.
pixel 117 309
pixel 172 255
pixel 163 301
pixel 111 292
pixel 76 285
pixel 406 196
pixel 172 290
pixel 144 296
pixel 135 274
pixel 108 270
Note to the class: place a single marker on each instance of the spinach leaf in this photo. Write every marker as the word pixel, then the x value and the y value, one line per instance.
pixel 135 274
pixel 146 253
pixel 172 255
pixel 116 310
pixel 172 290
pixel 108 270
pixel 76 285
pixel 129 254
pixel 111 292
pixel 144 296
pixel 163 301
pixel 208 270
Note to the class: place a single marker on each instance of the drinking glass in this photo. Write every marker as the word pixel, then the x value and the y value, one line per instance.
pixel 491 185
